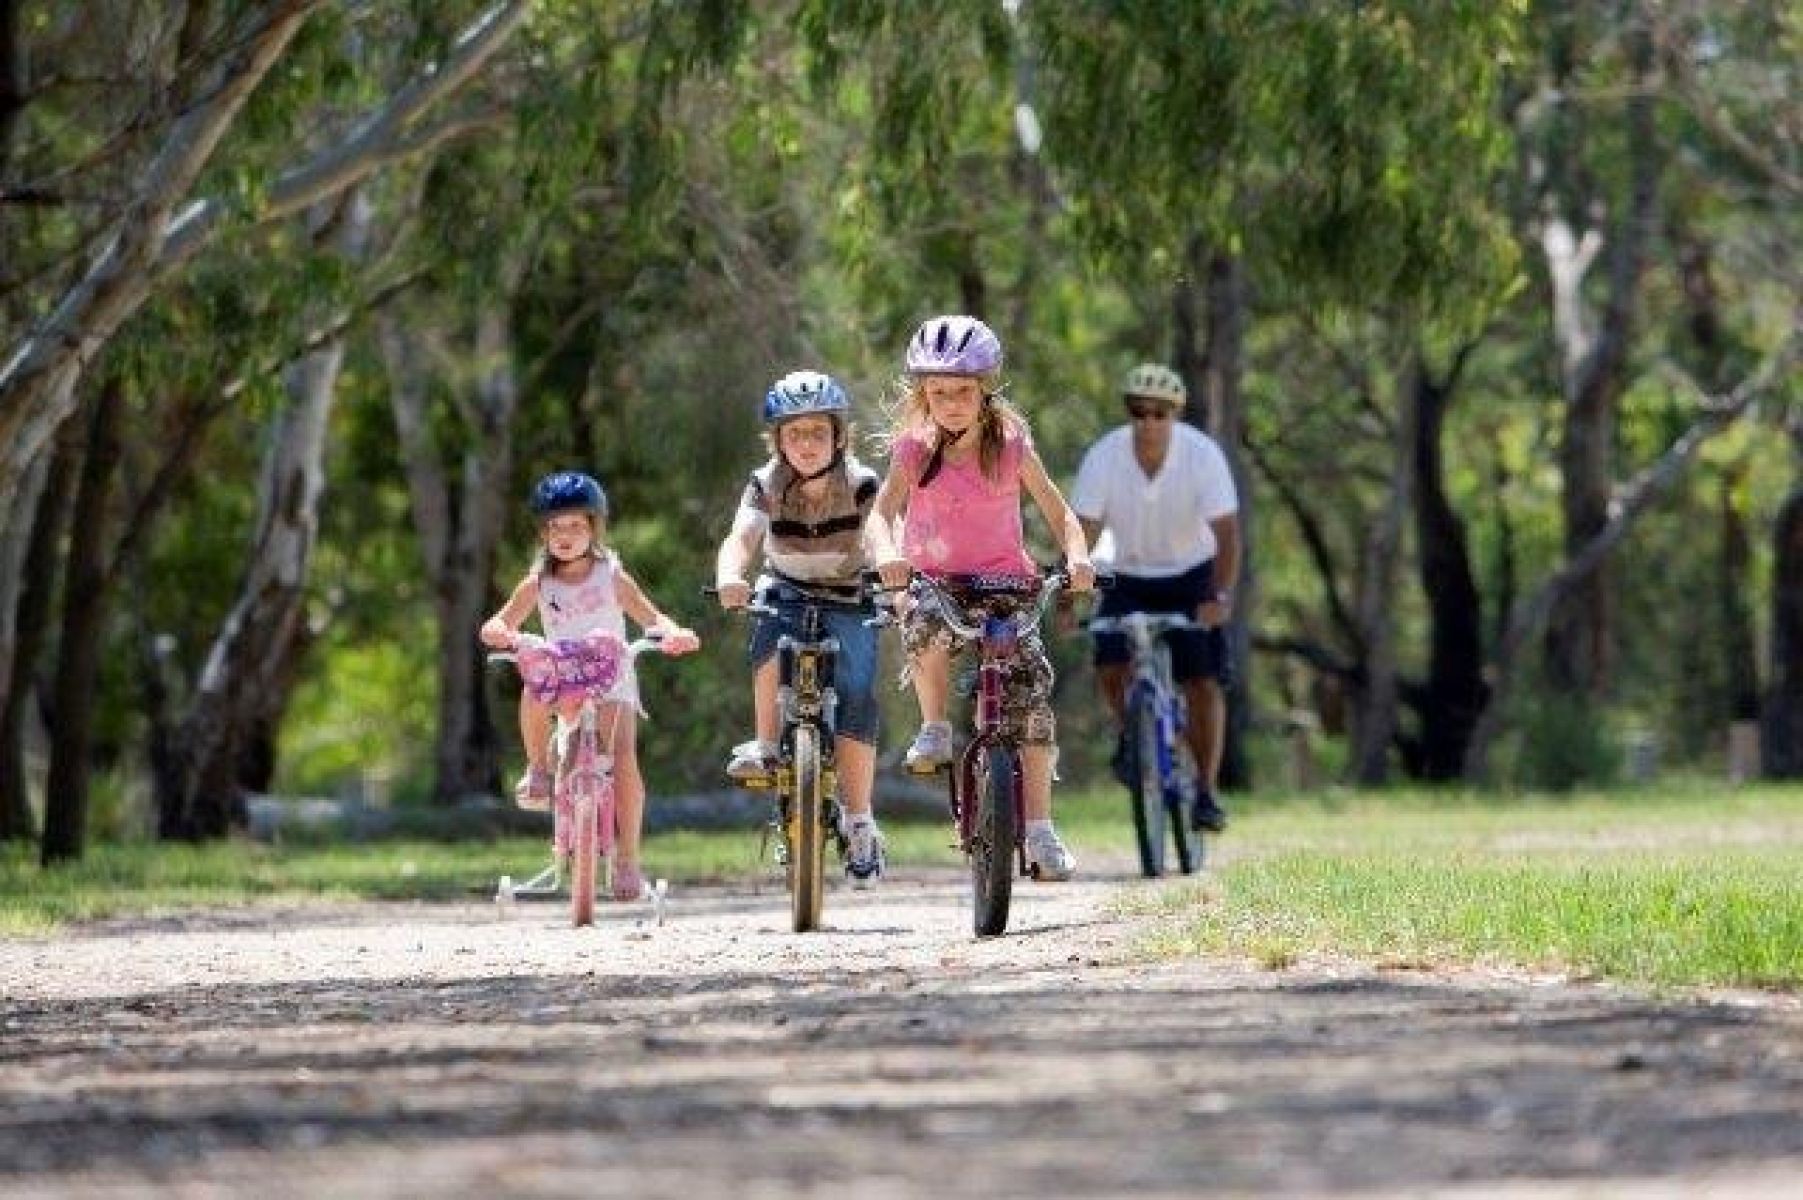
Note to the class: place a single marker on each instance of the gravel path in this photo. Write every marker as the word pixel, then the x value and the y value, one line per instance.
pixel 445 1050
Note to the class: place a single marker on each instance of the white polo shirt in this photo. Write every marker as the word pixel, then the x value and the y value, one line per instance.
pixel 1159 526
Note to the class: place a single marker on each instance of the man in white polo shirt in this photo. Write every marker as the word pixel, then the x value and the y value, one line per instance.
pixel 1163 491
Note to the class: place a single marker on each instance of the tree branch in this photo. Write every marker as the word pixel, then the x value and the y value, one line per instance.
pixel 1314 537
pixel 381 139
pixel 1630 501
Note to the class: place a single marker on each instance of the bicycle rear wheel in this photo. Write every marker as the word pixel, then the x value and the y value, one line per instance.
pixel 993 838
pixel 807 833
pixel 584 808
pixel 1147 789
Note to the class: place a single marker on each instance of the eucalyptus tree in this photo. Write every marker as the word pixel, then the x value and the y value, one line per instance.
pixel 1311 155
pixel 162 191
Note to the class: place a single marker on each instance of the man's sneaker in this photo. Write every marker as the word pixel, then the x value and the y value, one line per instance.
pixel 751 760
pixel 1121 762
pixel 864 858
pixel 1207 812
pixel 533 791
pixel 932 748
pixel 1048 860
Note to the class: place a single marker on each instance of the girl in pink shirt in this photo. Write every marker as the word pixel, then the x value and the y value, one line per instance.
pixel 960 458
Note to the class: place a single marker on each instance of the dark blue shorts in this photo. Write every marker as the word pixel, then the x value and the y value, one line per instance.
pixel 1195 653
pixel 854 672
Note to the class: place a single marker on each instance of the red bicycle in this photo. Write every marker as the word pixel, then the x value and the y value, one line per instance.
pixel 986 781
pixel 575 677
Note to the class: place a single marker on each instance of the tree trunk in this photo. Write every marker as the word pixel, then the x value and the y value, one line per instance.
pixel 1223 376
pixel 1579 638
pixel 1733 588
pixel 264 619
pixel 1374 703
pixel 459 535
pixel 1455 691
pixel 1781 735
pixel 12 79
pixel 37 587
pixel 82 637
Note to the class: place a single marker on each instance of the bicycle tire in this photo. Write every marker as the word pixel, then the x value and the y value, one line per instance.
pixel 585 811
pixel 1146 792
pixel 1191 848
pixel 807 832
pixel 994 836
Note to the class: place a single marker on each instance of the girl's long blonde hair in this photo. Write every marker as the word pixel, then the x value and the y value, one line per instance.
pixel 908 414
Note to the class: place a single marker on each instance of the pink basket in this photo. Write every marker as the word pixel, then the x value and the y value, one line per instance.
pixel 582 668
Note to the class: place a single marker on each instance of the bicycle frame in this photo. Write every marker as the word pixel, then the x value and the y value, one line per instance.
pixel 1167 791
pixel 1152 678
pixel 807 707
pixel 997 635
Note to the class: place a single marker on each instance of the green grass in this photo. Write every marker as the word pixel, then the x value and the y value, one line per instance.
pixel 114 880
pixel 1683 886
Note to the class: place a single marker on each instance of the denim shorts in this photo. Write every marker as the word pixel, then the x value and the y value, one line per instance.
pixel 854 672
pixel 1195 653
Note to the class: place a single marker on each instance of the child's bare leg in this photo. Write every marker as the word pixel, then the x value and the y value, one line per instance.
pixel 629 785
pixel 1036 789
pixel 932 672
pixel 763 701
pixel 857 767
pixel 535 730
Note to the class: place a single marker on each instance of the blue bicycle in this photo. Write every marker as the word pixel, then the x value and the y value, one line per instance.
pixel 1161 773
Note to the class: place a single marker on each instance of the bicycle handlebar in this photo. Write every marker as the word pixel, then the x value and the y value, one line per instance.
pixel 647 641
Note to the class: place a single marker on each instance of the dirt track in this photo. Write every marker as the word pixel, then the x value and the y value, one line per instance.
pixel 438 1050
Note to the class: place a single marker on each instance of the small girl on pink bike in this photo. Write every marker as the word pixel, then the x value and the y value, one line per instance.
pixel 961 456
pixel 579 587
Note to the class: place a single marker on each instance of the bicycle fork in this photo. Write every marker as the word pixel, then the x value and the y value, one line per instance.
pixel 991 724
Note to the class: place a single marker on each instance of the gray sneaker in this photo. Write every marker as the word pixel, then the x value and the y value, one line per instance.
pixel 932 748
pixel 1048 859
pixel 864 858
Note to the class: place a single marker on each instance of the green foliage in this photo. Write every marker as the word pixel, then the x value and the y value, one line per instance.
pixel 330 736
pixel 1328 143
pixel 1563 743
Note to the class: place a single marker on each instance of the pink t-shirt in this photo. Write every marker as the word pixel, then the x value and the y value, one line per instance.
pixel 964 523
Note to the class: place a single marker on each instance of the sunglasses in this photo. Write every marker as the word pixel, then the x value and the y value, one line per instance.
pixel 1149 412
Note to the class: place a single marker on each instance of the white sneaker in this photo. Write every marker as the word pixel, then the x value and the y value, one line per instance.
pixel 932 748
pixel 1048 859
pixel 751 760
pixel 864 857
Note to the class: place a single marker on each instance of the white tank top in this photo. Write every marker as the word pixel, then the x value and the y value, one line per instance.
pixel 572 610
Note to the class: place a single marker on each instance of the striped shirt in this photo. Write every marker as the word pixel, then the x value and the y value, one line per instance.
pixel 819 543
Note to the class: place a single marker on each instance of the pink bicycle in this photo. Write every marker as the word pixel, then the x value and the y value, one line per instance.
pixel 575 677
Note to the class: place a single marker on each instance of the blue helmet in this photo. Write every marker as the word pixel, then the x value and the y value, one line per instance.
pixel 804 393
pixel 568 491
pixel 954 345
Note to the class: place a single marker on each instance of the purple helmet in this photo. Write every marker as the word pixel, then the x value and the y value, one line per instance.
pixel 954 345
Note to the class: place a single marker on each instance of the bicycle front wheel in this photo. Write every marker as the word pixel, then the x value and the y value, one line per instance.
pixel 993 838
pixel 1177 803
pixel 584 810
pixel 1147 787
pixel 807 832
